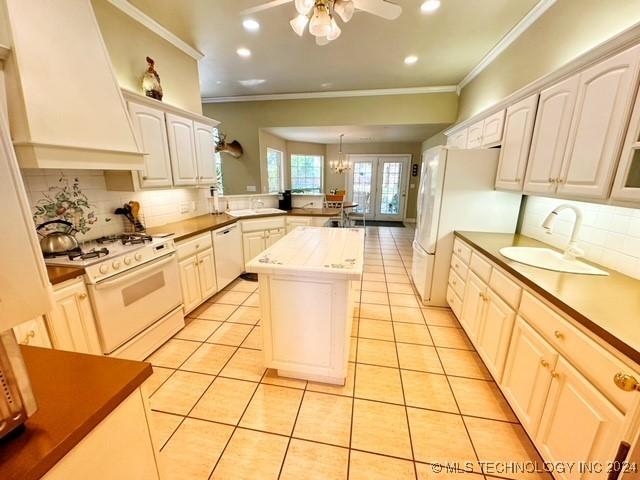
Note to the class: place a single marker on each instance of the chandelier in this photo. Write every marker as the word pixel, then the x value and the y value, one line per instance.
pixel 341 165
pixel 319 15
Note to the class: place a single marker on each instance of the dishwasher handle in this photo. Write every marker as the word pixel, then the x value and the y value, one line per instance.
pixel 228 230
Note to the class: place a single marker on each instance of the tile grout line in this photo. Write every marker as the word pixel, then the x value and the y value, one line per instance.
pixel 293 428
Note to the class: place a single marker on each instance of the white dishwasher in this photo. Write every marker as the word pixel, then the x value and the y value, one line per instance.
pixel 227 249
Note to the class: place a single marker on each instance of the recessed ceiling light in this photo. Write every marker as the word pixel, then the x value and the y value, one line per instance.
pixel 326 84
pixel 244 52
pixel 410 60
pixel 250 25
pixel 252 82
pixel 430 6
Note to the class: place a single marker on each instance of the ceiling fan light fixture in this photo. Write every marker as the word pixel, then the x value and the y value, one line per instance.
pixel 322 41
pixel 344 8
pixel 335 31
pixel 299 24
pixel 320 24
pixel 304 6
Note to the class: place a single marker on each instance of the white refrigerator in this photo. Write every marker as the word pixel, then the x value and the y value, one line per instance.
pixel 456 193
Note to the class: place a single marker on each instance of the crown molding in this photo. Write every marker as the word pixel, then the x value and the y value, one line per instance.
pixel 332 94
pixel 529 19
pixel 142 18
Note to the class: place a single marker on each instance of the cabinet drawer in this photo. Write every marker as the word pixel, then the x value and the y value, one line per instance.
pixel 456 283
pixel 505 287
pixel 480 267
pixel 454 302
pixel 595 363
pixel 462 250
pixel 459 267
pixel 194 245
pixel 257 224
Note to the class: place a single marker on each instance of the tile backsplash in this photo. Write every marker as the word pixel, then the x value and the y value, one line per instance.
pixel 157 206
pixel 609 236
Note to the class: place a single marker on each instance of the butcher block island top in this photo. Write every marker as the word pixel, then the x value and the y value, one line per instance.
pixel 314 250
pixel 308 281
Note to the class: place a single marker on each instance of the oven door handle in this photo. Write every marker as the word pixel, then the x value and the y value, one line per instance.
pixel 132 274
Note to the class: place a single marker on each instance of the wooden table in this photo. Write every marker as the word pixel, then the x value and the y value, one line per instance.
pixel 307 286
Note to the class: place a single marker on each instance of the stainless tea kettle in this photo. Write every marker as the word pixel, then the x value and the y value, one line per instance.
pixel 57 241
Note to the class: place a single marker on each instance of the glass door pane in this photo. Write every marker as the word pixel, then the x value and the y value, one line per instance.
pixel 362 182
pixel 390 191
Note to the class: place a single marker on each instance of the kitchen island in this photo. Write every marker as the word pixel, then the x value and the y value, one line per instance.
pixel 307 284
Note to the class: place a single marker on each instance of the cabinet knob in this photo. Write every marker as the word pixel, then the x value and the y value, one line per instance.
pixel 626 382
pixel 552 180
pixel 453 281
pixel 559 180
pixel 544 363
pixel 518 180
pixel 459 250
pixel 555 374
pixel 82 296
pixel 457 266
pixel 144 177
pixel 28 337
pixel 558 334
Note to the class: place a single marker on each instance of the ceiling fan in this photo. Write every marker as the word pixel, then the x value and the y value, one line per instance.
pixel 320 14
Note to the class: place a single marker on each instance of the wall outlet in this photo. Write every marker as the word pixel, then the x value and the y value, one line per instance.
pixel 184 208
pixel 251 188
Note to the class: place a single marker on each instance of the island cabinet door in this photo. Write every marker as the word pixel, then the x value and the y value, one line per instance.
pixel 578 423
pixel 527 374
pixel 473 305
pixel 494 333
pixel 190 282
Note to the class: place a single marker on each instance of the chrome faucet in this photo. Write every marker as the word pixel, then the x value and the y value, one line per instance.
pixel 256 201
pixel 572 251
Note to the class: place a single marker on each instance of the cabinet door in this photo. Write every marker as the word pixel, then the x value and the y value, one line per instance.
pixel 494 333
pixel 518 128
pixel 527 374
pixel 472 305
pixel 458 139
pixel 151 134
pixel 474 136
pixel 254 244
pixel 274 236
pixel 71 321
pixel 207 273
pixel 578 423
pixel 492 129
pixel 190 283
pixel 182 150
pixel 604 100
pixel 205 153
pixel 32 332
pixel 550 135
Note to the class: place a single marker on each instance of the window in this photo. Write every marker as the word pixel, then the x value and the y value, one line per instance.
pixel 306 173
pixel 218 158
pixel 274 170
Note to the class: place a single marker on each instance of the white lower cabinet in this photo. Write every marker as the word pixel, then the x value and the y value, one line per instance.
pixel 473 305
pixel 32 332
pixel 258 234
pixel 71 322
pixel 494 333
pixel 527 374
pixel 558 382
pixel 274 235
pixel 578 423
pixel 253 243
pixel 196 263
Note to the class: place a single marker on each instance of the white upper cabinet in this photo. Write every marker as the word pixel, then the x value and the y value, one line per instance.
pixel 182 150
pixel 458 139
pixel 205 153
pixel 151 131
pixel 492 127
pixel 603 103
pixel 550 134
pixel 474 137
pixel 627 183
pixel 518 128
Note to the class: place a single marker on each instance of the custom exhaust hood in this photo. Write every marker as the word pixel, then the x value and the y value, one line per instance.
pixel 64 104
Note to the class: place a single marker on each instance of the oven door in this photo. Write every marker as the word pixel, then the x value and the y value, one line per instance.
pixel 127 303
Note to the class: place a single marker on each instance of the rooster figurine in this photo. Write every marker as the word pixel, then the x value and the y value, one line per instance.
pixel 151 81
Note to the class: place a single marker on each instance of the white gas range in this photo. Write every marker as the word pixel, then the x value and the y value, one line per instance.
pixel 134 285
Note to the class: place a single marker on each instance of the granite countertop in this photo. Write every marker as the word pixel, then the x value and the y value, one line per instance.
pixel 59 274
pixel 204 223
pixel 608 306
pixel 75 392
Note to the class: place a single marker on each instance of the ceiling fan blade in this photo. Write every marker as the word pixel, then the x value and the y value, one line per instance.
pixel 381 8
pixel 264 6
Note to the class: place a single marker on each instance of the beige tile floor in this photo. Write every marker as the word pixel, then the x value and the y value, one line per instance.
pixel 417 394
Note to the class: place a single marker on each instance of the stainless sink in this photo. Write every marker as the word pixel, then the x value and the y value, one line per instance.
pixel 549 260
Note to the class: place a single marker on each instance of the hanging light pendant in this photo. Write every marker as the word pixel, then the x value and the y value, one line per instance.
pixel 320 24
pixel 344 8
pixel 340 166
pixel 304 6
pixel 299 24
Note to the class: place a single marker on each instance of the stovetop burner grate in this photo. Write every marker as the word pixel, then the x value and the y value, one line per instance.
pixel 95 253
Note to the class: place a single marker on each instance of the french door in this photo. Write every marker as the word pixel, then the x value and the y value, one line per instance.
pixel 378 184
